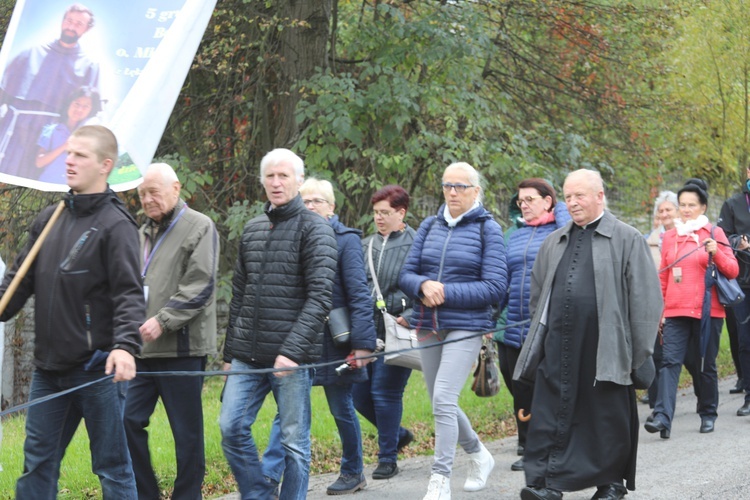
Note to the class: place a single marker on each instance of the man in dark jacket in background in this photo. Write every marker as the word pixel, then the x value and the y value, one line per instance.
pixel 734 219
pixel 281 294
pixel 180 249
pixel 89 305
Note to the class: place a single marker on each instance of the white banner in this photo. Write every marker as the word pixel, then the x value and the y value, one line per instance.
pixel 114 63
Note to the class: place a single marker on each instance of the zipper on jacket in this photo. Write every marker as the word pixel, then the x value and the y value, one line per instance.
pixel 440 271
pixel 87 308
pixel 56 280
pixel 524 328
pixel 259 294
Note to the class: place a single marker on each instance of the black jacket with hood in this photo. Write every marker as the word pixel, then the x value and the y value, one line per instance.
pixel 86 281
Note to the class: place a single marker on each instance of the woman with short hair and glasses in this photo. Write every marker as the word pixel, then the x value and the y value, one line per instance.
pixel 541 216
pixel 456 273
pixel 380 398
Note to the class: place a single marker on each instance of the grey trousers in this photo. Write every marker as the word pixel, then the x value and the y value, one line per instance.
pixel 445 370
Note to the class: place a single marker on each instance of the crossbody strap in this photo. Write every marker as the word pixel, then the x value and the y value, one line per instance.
pixel 378 294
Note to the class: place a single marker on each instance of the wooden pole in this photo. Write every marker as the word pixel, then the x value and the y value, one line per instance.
pixel 26 264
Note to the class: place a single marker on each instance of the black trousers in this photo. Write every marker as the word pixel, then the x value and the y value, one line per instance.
pixel 181 397
pixel 522 393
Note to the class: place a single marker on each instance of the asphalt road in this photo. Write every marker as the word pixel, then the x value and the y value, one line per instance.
pixel 689 465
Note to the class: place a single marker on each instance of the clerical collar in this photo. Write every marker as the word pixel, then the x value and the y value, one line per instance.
pixel 593 223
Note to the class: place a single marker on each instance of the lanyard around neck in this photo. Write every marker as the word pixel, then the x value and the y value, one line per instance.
pixel 147 256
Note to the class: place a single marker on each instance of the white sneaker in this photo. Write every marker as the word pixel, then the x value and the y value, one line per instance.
pixel 439 488
pixel 481 464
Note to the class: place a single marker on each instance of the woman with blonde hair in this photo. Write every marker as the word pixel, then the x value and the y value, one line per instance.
pixel 455 272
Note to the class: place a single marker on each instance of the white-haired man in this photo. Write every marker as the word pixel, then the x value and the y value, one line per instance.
pixel 596 305
pixel 180 253
pixel 281 294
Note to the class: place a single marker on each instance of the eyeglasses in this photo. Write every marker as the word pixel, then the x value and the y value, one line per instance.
pixel 383 213
pixel 527 200
pixel 314 201
pixel 460 188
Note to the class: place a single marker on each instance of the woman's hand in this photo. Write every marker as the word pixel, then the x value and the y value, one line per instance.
pixel 433 292
pixel 711 246
pixel 362 353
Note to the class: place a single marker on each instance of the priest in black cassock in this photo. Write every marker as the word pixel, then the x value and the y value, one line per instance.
pixel 596 306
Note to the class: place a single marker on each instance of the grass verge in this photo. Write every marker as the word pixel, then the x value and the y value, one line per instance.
pixel 491 417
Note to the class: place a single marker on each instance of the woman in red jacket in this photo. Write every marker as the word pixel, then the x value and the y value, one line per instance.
pixel 684 252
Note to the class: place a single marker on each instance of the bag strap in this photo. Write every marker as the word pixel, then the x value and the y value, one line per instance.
pixel 380 302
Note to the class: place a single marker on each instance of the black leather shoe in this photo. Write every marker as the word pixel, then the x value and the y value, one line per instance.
pixel 657 426
pixel 744 410
pixel 520 450
pixel 654 426
pixel 650 418
pixel 610 492
pixel 517 465
pixel 707 425
pixel 385 470
pixel 532 493
pixel 737 387
pixel 405 440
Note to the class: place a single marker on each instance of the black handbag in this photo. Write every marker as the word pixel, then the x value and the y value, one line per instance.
pixel 487 375
pixel 728 290
pixel 339 324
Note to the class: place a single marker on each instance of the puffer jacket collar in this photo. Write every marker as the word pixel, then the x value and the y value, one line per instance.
pixel 284 212
pixel 476 214
pixel 339 228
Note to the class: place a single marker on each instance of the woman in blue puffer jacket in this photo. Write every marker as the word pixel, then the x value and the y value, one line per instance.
pixel 541 216
pixel 456 273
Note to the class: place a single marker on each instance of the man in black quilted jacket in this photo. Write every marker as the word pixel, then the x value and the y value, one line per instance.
pixel 281 294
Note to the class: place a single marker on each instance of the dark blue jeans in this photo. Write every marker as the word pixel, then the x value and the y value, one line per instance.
pixel 380 401
pixel 181 397
pixel 678 334
pixel 50 427
pixel 242 399
pixel 340 403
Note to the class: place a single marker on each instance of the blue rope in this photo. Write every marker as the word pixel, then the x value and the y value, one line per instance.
pixel 256 371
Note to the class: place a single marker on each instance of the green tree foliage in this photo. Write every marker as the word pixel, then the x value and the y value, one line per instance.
pixel 375 92
pixel 586 68
pixel 708 91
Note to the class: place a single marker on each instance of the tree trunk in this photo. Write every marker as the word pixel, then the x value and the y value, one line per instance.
pixel 304 47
